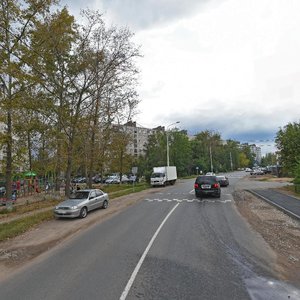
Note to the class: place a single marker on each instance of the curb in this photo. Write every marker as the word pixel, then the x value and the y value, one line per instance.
pixel 286 211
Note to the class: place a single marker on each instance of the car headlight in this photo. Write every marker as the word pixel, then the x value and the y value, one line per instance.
pixel 56 207
pixel 74 207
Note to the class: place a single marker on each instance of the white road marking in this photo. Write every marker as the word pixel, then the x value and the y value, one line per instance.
pixel 138 266
pixel 190 200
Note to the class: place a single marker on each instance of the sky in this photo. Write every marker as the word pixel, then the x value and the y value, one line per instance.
pixel 228 66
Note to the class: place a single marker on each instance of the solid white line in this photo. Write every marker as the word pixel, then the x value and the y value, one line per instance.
pixel 138 266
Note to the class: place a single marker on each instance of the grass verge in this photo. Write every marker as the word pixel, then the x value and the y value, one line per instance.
pixel 22 209
pixel 14 228
pixel 17 227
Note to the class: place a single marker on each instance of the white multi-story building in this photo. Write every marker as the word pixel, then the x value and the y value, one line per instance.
pixel 138 137
pixel 257 152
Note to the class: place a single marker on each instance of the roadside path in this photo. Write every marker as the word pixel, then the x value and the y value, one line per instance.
pixel 286 203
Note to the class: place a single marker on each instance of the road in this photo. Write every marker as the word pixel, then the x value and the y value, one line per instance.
pixel 168 246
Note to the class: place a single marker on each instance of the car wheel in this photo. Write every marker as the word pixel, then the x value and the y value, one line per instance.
pixel 83 213
pixel 105 204
pixel 218 195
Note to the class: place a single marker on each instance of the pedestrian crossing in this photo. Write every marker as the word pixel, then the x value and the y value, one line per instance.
pixel 189 200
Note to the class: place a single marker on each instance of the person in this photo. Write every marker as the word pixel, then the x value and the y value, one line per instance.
pixel 47 187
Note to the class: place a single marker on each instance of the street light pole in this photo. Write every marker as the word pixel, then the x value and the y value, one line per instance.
pixel 211 162
pixel 168 159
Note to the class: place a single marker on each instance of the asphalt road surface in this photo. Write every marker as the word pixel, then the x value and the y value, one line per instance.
pixel 168 246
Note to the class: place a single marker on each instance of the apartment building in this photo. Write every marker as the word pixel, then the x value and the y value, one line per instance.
pixel 257 153
pixel 138 137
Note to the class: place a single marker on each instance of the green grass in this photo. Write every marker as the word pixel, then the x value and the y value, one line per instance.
pixel 25 208
pixel 292 189
pixel 17 227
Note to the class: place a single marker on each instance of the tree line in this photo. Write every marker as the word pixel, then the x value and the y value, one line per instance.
pixel 206 151
pixel 63 83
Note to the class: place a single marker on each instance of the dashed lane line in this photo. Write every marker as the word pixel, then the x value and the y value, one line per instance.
pixel 189 200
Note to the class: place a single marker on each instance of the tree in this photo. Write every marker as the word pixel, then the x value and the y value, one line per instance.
pixel 270 159
pixel 288 144
pixel 17 21
pixel 180 151
pixel 119 160
pixel 206 149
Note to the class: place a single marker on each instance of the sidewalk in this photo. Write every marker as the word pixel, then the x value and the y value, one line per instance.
pixel 287 203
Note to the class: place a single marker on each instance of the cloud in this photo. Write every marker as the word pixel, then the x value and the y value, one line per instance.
pixel 229 66
pixel 148 13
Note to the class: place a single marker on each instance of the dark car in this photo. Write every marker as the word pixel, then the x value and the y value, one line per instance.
pixel 207 186
pixel 223 180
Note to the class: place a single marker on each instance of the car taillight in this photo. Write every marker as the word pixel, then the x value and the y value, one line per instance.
pixel 196 185
pixel 215 185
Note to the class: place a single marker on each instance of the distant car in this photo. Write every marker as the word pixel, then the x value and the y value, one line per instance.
pixel 132 178
pixel 78 180
pixel 2 191
pixel 248 170
pixel 206 185
pixel 81 202
pixel 257 172
pixel 210 174
pixel 223 180
pixel 125 179
pixel 2 195
pixel 112 179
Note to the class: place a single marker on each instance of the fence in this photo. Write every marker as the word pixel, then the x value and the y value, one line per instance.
pixel 29 187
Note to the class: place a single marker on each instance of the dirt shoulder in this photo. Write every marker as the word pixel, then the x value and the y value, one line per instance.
pixel 280 231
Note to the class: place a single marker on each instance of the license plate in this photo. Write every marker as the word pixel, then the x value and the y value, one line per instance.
pixel 205 186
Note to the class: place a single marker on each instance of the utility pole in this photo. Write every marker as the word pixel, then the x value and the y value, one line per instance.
pixel 211 163
pixel 167 133
pixel 231 164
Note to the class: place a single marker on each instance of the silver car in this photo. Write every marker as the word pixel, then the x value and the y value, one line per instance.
pixel 80 203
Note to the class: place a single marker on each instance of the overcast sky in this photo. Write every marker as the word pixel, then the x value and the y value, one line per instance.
pixel 229 66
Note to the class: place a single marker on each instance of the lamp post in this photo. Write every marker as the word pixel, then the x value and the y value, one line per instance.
pixel 168 159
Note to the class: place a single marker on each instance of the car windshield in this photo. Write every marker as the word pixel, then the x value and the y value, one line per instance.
pixel 80 195
pixel 221 178
pixel 154 175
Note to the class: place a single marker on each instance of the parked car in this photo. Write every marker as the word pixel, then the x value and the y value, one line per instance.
pixel 206 185
pixel 97 179
pixel 210 174
pixel 223 180
pixel 132 178
pixel 248 170
pixel 79 179
pixel 257 172
pixel 112 179
pixel 2 191
pixel 81 202
pixel 125 178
